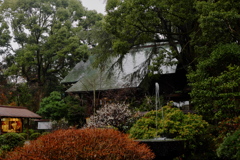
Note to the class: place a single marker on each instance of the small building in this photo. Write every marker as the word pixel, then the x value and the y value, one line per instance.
pixel 94 86
pixel 12 118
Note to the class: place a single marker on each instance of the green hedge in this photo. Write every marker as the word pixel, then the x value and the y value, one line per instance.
pixel 9 141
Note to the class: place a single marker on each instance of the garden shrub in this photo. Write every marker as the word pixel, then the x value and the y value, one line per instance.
pixel 34 136
pixel 117 115
pixel 9 141
pixel 24 135
pixel 97 144
pixel 226 127
pixel 173 123
pixel 30 131
pixel 45 133
pixel 230 148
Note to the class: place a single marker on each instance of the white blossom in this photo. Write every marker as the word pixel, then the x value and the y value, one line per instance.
pixel 114 114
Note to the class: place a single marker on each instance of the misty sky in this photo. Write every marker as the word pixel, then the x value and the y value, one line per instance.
pixel 98 5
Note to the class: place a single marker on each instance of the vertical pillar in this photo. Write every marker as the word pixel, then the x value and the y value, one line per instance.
pixel 0 125
pixel 27 128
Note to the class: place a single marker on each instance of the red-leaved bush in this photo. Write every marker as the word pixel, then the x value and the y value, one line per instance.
pixel 83 144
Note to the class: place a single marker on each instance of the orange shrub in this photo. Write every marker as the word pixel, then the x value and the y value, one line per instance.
pixel 84 144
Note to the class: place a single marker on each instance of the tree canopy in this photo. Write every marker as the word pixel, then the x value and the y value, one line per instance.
pixel 215 84
pixel 47 33
pixel 135 23
pixel 50 37
pixel 57 107
pixel 196 32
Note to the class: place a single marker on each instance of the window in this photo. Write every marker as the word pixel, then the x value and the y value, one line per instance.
pixel 11 125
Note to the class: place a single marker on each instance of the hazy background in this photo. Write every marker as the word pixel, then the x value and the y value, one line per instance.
pixel 98 5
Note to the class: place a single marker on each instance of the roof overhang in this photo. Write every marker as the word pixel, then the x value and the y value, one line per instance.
pixel 18 112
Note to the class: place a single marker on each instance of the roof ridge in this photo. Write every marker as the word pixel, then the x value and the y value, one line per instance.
pixel 6 106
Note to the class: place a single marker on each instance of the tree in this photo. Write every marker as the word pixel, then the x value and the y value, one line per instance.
pixel 76 113
pixel 53 107
pixel 4 35
pixel 48 34
pixel 214 80
pixel 57 107
pixel 218 24
pixel 199 28
pixel 215 84
pixel 136 23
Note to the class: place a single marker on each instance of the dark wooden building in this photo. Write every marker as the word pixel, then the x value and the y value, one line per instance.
pixel 12 118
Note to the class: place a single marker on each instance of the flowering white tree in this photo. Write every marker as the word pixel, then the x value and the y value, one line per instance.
pixel 114 114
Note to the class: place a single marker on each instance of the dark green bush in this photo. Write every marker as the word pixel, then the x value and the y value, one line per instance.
pixel 24 135
pixel 34 136
pixel 9 141
pixel 44 133
pixel 230 148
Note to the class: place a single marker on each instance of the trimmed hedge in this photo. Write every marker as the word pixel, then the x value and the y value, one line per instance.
pixel 9 141
pixel 97 144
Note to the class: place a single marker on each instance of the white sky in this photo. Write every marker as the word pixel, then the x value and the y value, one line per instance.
pixel 98 5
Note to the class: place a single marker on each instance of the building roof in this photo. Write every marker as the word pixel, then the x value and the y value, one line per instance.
pixel 77 72
pixel 18 112
pixel 88 78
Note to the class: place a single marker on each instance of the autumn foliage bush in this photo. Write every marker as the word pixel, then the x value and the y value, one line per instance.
pixel 87 144
pixel 227 127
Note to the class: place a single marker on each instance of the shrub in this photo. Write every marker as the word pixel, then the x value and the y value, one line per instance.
pixel 97 144
pixel 45 133
pixel 230 148
pixel 24 135
pixel 34 136
pixel 9 141
pixel 61 124
pixel 115 115
pixel 227 127
pixel 175 124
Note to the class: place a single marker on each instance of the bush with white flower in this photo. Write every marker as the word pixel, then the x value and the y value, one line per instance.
pixel 116 115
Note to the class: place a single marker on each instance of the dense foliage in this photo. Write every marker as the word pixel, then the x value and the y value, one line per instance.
pixel 57 107
pixel 230 148
pixel 152 21
pixel 215 84
pixel 95 144
pixel 53 107
pixel 49 38
pixel 173 123
pixel 53 35
pixel 225 128
pixel 169 122
pixel 9 141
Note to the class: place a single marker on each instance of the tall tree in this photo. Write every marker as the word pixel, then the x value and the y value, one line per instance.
pixel 214 82
pixel 218 24
pixel 4 35
pixel 48 36
pixel 135 23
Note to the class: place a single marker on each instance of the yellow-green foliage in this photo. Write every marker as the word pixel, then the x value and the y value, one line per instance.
pixel 173 124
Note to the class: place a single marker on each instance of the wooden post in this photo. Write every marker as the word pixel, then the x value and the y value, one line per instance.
pixel 27 128
pixel 0 125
